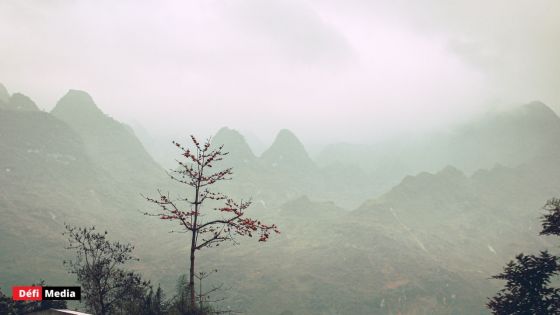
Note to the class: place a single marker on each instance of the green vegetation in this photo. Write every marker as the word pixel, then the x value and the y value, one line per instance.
pixel 98 265
pixel 368 233
pixel 528 278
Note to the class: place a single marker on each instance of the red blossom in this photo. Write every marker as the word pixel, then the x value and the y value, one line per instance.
pixel 194 172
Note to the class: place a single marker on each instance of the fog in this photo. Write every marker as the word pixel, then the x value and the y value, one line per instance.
pixel 383 157
pixel 331 71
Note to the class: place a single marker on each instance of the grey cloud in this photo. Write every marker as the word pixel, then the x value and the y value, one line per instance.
pixel 351 69
pixel 293 27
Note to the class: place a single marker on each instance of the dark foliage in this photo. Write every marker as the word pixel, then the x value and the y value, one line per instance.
pixel 155 303
pixel 106 286
pixel 551 220
pixel 142 300
pixel 527 290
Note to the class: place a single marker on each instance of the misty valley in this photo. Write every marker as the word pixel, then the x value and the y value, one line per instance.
pixel 413 225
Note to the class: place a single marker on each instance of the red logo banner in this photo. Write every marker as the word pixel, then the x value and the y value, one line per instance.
pixel 27 293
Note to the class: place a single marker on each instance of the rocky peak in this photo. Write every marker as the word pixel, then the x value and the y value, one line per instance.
pixel 19 101
pixel 286 151
pixel 76 105
pixel 235 144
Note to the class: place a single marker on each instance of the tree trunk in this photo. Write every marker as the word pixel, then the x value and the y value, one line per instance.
pixel 100 298
pixel 193 244
pixel 191 275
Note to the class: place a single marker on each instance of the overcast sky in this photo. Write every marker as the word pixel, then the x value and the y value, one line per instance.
pixel 351 70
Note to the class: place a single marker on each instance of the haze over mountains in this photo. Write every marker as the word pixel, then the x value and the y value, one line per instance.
pixel 415 227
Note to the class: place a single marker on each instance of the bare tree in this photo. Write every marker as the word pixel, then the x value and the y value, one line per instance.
pixel 205 230
pixel 98 267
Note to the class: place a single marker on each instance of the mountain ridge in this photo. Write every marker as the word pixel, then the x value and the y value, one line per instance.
pixel 76 104
pixel 286 151
pixel 239 151
pixel 4 94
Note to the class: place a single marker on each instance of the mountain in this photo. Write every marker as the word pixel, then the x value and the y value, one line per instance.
pixel 19 101
pixel 239 152
pixel 509 138
pixel 336 264
pixel 79 167
pixel 469 227
pixel 112 145
pixel 277 175
pixel 273 178
pixel 78 108
pixel 287 152
pixel 46 179
pixel 16 101
pixel 424 190
pixel 426 245
pixel 4 97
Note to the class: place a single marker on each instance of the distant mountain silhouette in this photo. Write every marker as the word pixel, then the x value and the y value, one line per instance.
pixel 425 245
pixel 19 101
pixel 77 107
pixel 46 178
pixel 16 101
pixel 112 145
pixel 509 138
pixel 286 152
pixel 240 154
pixel 76 166
pixel 482 220
pixel 4 97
